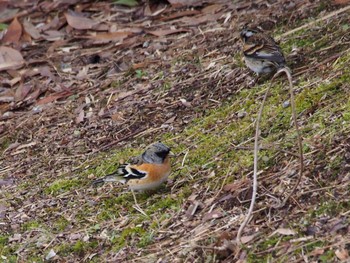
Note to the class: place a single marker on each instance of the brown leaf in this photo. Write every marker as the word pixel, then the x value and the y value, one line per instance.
pixel 185 2
pixel 22 91
pixel 54 97
pixel 247 239
pixel 80 117
pixel 342 254
pixel 31 29
pixel 14 32
pixel 10 58
pixel 107 37
pixel 212 215
pixel 285 231
pixel 193 21
pixel 212 9
pixel 165 32
pixel 341 2
pixel 7 14
pixel 78 21
pixel 180 14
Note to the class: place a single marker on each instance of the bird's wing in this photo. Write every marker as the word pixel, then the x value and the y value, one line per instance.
pixel 124 173
pixel 263 47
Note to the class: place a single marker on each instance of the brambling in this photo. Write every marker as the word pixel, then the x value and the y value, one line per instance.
pixel 261 52
pixel 146 171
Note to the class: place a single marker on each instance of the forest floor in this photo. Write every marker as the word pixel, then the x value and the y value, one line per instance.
pixel 86 84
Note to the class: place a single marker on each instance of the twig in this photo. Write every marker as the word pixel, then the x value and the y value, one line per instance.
pixel 300 143
pixel 255 176
pixel 287 71
pixel 336 12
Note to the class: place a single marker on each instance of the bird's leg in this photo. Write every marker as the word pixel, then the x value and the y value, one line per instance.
pixel 136 206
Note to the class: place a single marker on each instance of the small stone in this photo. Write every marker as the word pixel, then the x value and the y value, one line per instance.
pixel 50 255
pixel 241 114
pixel 286 104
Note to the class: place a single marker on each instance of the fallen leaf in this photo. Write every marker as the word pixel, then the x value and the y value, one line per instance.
pixel 341 2
pixel 30 29
pixel 192 209
pixel 212 215
pixel 10 58
pixel 342 254
pixel 22 91
pixel 247 239
pixel 108 37
pixel 54 97
pixel 14 32
pixel 78 21
pixel 180 14
pixel 6 182
pixel 6 14
pixel 15 237
pixel 285 231
pixel 184 2
pixel 80 117
pixel 165 32
pixel 7 98
pixel 211 9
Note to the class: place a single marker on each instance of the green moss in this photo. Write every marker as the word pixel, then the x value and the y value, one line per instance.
pixel 61 224
pixel 127 234
pixel 30 225
pixel 331 208
pixel 62 185
pixel 328 256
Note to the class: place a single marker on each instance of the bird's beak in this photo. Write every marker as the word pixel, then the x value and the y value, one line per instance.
pixel 171 154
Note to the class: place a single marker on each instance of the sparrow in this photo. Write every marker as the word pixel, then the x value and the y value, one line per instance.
pixel 261 53
pixel 143 172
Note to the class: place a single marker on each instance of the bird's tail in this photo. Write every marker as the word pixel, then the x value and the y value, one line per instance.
pixel 113 177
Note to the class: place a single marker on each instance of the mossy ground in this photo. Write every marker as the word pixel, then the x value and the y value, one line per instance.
pixel 90 223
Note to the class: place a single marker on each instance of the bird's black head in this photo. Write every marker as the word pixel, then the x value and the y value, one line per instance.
pixel 247 33
pixel 156 153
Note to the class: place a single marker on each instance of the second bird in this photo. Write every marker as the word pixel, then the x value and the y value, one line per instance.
pixel 261 52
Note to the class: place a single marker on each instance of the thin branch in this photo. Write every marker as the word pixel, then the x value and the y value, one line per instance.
pixel 255 175
pixel 300 142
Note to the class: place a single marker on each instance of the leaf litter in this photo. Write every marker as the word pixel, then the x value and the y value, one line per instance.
pixel 98 76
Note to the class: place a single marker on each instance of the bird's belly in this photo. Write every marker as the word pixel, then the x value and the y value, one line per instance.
pixel 145 184
pixel 258 66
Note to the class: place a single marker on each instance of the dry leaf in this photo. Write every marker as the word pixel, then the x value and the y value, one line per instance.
pixel 107 37
pixel 285 231
pixel 341 2
pixel 10 58
pixel 54 97
pixel 78 21
pixel 185 2
pixel 342 254
pixel 30 29
pixel 212 215
pixel 247 239
pixel 165 32
pixel 80 117
pixel 14 32
pixel 22 91
pixel 211 9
